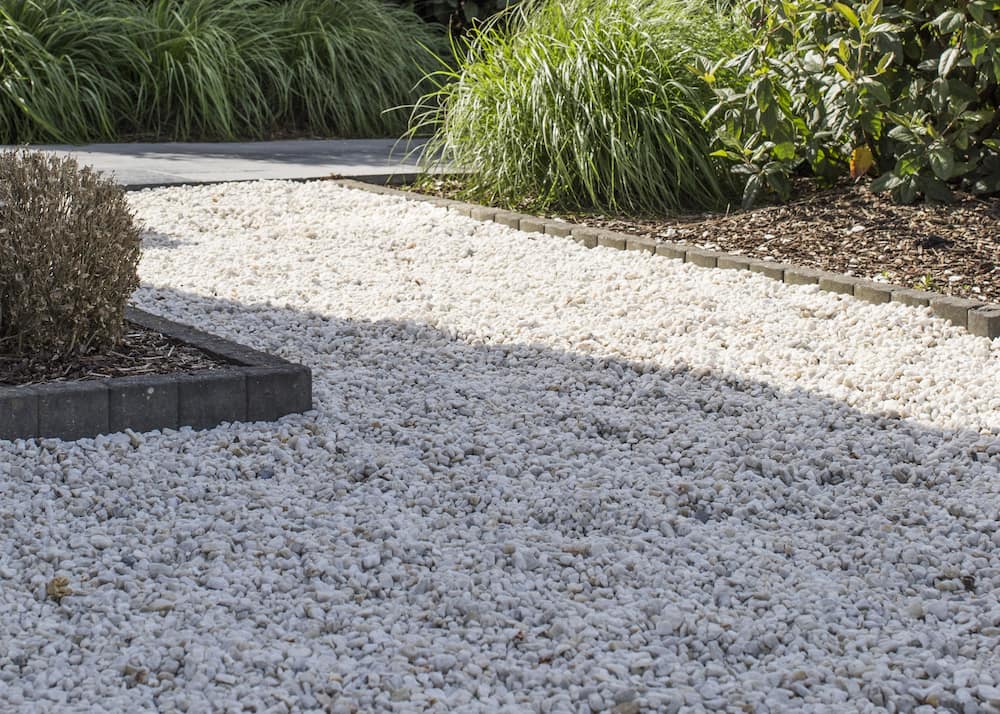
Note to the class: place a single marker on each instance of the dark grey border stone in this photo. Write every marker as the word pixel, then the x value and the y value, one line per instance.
pixel 256 387
pixel 18 413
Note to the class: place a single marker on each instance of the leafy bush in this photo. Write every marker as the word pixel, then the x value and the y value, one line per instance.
pixel 584 103
pixel 69 253
pixel 84 70
pixel 911 86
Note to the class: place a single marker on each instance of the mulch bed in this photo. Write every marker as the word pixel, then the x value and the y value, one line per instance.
pixel 142 352
pixel 952 249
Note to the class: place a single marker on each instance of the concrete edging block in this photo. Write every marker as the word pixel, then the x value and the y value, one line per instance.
pixel 733 262
pixel 837 283
pixel 206 399
pixel 72 410
pixel 273 392
pixel 702 258
pixel 954 310
pixel 912 298
pixel 641 244
pixel 18 413
pixel 482 213
pixel 768 268
pixel 585 236
pixel 558 228
pixel 610 239
pixel 795 275
pixel 875 293
pixel 506 218
pixel 672 250
pixel 985 321
pixel 529 224
pixel 142 403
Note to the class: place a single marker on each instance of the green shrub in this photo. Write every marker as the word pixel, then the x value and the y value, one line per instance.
pixel 69 253
pixel 911 86
pixel 584 103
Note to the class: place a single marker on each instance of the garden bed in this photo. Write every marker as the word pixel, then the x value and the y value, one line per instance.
pixel 169 375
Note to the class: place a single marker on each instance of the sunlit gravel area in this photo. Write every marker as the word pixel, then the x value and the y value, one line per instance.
pixel 537 478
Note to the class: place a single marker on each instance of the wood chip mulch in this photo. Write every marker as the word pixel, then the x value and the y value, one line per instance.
pixel 952 249
pixel 142 352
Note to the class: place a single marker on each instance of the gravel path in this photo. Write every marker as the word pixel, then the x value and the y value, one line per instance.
pixel 538 478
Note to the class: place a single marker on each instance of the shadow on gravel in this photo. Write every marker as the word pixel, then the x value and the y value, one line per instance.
pixel 617 414
pixel 562 519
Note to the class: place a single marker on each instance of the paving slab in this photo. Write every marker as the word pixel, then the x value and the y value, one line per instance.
pixel 140 165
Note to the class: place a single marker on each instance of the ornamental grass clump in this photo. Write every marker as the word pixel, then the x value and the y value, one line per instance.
pixel 585 103
pixel 66 69
pixel 69 255
pixel 350 63
pixel 74 71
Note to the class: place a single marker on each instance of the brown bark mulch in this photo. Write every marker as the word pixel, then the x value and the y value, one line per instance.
pixel 142 352
pixel 952 249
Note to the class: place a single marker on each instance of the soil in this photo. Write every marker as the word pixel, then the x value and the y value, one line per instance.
pixel 952 249
pixel 142 352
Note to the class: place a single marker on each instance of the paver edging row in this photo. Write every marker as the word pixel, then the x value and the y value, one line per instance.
pixel 978 317
pixel 256 387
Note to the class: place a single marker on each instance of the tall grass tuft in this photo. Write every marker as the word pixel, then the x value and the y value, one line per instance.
pixel 585 103
pixel 208 61
pixel 64 70
pixel 84 70
pixel 350 59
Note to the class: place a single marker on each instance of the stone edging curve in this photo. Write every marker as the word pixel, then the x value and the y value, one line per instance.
pixel 255 386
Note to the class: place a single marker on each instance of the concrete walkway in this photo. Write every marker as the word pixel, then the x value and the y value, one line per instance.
pixel 143 165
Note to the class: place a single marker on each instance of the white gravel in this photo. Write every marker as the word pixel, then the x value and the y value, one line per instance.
pixel 538 478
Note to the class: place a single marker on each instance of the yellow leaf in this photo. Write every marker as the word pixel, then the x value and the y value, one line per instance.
pixel 861 161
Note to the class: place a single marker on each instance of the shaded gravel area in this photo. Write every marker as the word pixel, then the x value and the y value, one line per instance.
pixel 951 249
pixel 537 478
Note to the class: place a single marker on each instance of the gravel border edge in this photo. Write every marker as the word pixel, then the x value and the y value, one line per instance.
pixel 258 387
pixel 979 318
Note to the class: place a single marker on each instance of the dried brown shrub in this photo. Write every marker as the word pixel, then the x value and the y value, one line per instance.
pixel 69 256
